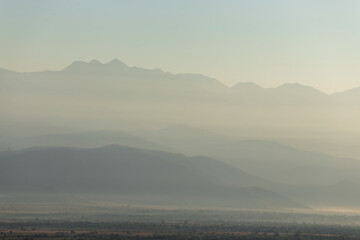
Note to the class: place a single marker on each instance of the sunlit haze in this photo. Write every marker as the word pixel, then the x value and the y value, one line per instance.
pixel 315 43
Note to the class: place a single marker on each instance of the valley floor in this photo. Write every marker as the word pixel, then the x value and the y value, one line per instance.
pixel 66 230
pixel 105 221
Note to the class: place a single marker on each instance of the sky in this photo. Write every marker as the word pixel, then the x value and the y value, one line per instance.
pixel 269 42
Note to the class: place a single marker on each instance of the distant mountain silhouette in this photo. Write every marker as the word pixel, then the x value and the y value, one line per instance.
pixel 296 88
pixel 116 66
pixel 4 71
pixel 121 81
pixel 93 95
pixel 271 160
pixel 87 139
pixel 247 86
pixel 351 96
pixel 279 163
pixel 311 178
pixel 288 93
pixel 95 66
pixel 116 170
pixel 112 81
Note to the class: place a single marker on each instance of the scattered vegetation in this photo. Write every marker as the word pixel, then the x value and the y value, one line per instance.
pixel 65 230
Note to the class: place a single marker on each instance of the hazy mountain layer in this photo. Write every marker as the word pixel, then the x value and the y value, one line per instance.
pixel 88 96
pixel 124 171
pixel 271 160
pixel 305 176
pixel 86 140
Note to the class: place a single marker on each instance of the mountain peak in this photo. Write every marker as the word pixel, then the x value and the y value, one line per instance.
pixel 95 62
pixel 116 62
pixel 298 88
pixel 246 85
pixel 75 65
pixel 94 65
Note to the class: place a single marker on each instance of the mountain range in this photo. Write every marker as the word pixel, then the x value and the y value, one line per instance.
pixel 269 159
pixel 139 174
pixel 120 74
pixel 244 149
pixel 83 94
pixel 313 179
pixel 279 162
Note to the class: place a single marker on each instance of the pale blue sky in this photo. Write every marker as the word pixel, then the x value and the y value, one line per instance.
pixel 268 42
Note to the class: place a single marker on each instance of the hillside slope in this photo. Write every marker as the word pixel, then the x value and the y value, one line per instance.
pixel 115 170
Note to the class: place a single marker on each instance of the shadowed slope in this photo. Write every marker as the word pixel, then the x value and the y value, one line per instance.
pixel 134 172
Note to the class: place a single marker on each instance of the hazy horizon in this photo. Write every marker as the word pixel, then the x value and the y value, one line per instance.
pixel 169 119
pixel 164 70
pixel 315 43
